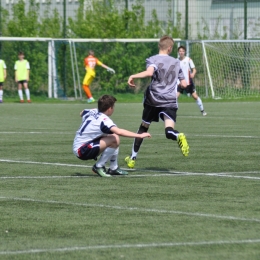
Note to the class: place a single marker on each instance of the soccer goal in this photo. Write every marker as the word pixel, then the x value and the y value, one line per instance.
pixel 225 69
pixel 231 68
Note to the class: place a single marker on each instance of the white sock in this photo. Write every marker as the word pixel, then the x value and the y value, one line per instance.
pixel 199 103
pixel 27 92
pixel 20 93
pixel 134 154
pixel 1 94
pixel 105 156
pixel 113 160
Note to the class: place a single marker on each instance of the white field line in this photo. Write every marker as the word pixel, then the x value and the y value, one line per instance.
pixel 198 135
pixel 158 173
pixel 146 210
pixel 126 246
pixel 133 176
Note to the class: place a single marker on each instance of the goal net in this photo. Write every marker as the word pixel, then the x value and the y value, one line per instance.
pixel 225 69
pixel 125 56
pixel 231 68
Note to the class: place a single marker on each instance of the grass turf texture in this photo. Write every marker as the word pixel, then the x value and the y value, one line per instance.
pixel 205 206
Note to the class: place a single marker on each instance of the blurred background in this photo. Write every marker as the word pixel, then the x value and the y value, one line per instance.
pixel 189 22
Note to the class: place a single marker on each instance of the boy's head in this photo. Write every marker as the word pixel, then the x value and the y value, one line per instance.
pixel 20 55
pixel 106 102
pixel 166 44
pixel 181 51
pixel 90 52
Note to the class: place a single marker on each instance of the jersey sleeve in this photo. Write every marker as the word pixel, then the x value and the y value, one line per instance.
pixel 99 63
pixel 106 125
pixel 27 65
pixel 4 65
pixel 150 63
pixel 15 66
pixel 85 114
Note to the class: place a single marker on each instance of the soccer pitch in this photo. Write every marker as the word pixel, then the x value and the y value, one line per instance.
pixel 204 206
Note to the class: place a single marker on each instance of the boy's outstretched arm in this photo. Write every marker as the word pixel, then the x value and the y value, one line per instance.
pixel 126 133
pixel 108 68
pixel 147 73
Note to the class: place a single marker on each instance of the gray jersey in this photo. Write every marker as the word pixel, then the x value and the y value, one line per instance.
pixel 162 91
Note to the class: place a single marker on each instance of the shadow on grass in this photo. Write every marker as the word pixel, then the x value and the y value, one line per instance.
pixel 78 174
pixel 157 170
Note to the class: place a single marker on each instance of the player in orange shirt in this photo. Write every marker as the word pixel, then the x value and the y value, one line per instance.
pixel 90 63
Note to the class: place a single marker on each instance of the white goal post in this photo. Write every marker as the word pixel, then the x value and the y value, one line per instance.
pixel 232 67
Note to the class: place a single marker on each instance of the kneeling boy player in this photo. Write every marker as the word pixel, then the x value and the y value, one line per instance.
pixel 99 134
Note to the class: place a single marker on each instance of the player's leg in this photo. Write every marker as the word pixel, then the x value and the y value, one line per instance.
pixel 109 147
pixel 199 102
pixel 130 160
pixel 169 121
pixel 27 91
pixel 149 114
pixel 86 83
pixel 1 92
pixel 20 92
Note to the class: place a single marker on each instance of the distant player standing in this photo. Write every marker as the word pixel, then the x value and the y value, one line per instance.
pixel 22 73
pixel 90 63
pixel 189 71
pixel 160 100
pixel 99 134
pixel 2 78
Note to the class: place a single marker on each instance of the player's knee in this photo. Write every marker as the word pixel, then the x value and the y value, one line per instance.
pixel 114 141
pixel 117 140
pixel 170 133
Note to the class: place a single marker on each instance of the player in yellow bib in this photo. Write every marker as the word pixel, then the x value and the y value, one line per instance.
pixel 2 78
pixel 90 63
pixel 22 72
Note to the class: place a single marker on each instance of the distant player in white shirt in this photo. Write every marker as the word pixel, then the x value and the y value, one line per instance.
pixel 189 71
pixel 99 134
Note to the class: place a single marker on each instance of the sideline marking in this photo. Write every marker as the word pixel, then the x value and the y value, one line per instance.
pixel 134 176
pixel 158 173
pixel 198 135
pixel 151 245
pixel 133 209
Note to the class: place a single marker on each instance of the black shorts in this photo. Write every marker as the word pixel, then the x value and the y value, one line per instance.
pixel 1 84
pixel 22 81
pixel 190 89
pixel 151 114
pixel 90 150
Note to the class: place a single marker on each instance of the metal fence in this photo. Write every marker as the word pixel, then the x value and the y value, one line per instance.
pixel 196 19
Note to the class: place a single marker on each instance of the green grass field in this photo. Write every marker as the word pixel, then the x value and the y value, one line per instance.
pixel 204 206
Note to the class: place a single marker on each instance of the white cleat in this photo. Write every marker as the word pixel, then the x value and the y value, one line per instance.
pixel 204 113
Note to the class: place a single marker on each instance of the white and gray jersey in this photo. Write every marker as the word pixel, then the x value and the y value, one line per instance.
pixel 94 125
pixel 162 91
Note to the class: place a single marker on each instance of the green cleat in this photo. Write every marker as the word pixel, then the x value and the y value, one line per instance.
pixel 183 144
pixel 130 162
pixel 118 171
pixel 90 100
pixel 100 171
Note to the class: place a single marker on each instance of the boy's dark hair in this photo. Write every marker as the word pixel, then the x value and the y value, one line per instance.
pixel 105 102
pixel 20 53
pixel 90 52
pixel 182 47
pixel 165 42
